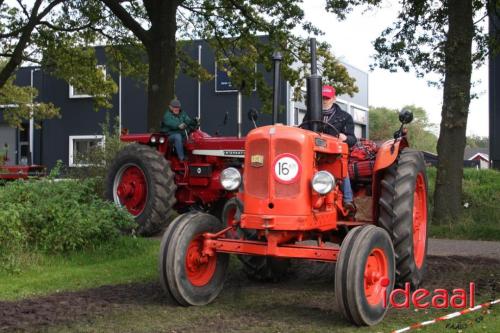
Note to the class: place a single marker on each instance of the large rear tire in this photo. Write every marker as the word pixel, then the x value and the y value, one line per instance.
pixel 403 213
pixel 191 277
pixel 141 180
pixel 364 275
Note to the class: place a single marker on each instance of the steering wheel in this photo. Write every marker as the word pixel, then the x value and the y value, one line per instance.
pixel 323 123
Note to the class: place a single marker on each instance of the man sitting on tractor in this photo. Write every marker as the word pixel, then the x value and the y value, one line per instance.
pixel 342 121
pixel 177 125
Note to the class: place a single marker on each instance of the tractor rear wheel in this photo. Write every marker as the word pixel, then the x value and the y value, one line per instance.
pixel 189 275
pixel 364 275
pixel 141 180
pixel 264 268
pixel 259 268
pixel 403 213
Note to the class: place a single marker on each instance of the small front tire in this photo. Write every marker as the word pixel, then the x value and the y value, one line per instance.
pixel 192 278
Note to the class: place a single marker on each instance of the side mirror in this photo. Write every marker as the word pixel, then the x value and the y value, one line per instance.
pixel 253 115
pixel 405 116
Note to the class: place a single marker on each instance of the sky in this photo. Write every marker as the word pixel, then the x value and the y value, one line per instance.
pixel 351 42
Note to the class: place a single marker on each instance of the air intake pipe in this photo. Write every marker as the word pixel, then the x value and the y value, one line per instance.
pixel 314 86
pixel 277 57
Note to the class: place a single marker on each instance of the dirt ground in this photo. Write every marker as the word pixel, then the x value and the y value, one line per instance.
pixel 40 313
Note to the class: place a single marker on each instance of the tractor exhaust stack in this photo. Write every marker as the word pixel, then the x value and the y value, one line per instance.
pixel 277 57
pixel 314 85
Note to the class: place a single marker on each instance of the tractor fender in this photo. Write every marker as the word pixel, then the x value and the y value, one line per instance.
pixel 386 155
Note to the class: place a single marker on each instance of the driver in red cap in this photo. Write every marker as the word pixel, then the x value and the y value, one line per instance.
pixel 334 115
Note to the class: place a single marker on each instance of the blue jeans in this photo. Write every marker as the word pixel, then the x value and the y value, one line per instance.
pixel 346 188
pixel 176 139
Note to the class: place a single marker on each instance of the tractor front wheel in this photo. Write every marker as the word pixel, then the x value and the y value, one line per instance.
pixel 141 180
pixel 403 213
pixel 364 275
pixel 186 273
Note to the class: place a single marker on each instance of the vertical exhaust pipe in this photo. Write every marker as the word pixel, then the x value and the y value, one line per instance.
pixel 277 57
pixel 314 86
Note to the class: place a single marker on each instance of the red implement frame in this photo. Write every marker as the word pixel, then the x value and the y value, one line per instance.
pixel 213 244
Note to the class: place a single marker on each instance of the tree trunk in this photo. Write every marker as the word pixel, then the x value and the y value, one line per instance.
pixel 456 100
pixel 162 62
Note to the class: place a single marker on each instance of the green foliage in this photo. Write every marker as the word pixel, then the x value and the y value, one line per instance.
pixel 56 217
pixel 416 40
pixel 22 105
pixel 476 141
pixel 234 30
pixel 480 212
pixel 97 160
pixel 383 122
pixel 58 35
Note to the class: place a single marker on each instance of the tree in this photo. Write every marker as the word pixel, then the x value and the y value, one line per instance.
pixel 383 123
pixel 477 141
pixel 55 34
pixel 437 37
pixel 232 28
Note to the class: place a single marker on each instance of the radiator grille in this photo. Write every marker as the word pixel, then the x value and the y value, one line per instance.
pixel 292 147
pixel 259 175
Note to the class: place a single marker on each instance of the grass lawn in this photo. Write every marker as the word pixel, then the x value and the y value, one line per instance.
pixel 481 212
pixel 128 260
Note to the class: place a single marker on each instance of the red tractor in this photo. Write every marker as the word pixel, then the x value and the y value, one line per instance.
pixel 14 172
pixel 290 194
pixel 148 179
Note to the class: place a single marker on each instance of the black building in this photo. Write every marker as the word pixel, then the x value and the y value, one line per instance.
pixel 80 126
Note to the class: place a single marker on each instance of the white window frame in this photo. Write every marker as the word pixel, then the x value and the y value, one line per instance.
pixel 72 138
pixel 72 89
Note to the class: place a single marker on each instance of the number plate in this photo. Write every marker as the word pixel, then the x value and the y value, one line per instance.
pixel 287 168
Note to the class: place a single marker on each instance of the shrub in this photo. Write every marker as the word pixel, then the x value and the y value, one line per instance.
pixel 480 213
pixel 99 158
pixel 56 217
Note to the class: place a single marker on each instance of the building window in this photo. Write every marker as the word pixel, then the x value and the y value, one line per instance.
pixel 359 131
pixel 360 116
pixel 75 93
pixel 80 146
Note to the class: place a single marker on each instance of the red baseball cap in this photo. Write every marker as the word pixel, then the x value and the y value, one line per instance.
pixel 328 91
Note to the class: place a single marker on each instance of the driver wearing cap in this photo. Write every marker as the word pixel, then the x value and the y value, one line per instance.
pixel 334 115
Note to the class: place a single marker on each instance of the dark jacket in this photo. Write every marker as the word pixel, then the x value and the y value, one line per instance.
pixel 341 120
pixel 171 122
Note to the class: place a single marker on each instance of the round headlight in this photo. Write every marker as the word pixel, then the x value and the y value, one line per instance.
pixel 153 139
pixel 161 140
pixel 323 182
pixel 230 179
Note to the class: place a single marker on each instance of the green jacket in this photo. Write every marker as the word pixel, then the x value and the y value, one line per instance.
pixel 171 122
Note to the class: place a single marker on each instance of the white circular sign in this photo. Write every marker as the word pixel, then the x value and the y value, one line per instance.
pixel 286 168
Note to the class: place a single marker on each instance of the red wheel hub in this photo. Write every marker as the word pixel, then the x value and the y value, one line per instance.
pixel 199 268
pixel 419 220
pixel 132 189
pixel 375 276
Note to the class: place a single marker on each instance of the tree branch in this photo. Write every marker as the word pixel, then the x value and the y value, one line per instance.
pixel 128 20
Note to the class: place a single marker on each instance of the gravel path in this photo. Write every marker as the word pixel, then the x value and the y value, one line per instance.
pixel 453 247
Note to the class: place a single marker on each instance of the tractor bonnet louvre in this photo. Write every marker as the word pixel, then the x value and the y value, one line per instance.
pixel 259 174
